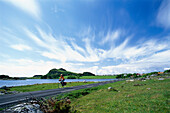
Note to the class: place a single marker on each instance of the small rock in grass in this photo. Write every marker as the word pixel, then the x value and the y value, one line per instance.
pixel 148 88
pixel 4 87
pixel 109 88
pixel 112 89
pixel 1 93
pixel 131 80
pixel 161 79
pixel 68 101
pixel 129 96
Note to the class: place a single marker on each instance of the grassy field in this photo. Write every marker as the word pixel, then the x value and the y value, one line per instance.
pixel 152 96
pixel 95 77
pixel 98 77
pixel 45 86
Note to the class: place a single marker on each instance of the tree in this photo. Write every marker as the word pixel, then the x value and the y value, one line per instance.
pixel 167 71
pixel 4 77
pixel 88 74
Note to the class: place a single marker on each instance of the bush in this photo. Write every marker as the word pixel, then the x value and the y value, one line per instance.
pixel 77 94
pixel 88 74
pixel 71 77
pixel 55 106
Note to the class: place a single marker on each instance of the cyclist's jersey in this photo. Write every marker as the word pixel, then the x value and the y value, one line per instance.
pixel 61 78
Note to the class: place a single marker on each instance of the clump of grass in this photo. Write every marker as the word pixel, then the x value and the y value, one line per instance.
pixel 77 93
pixel 1 109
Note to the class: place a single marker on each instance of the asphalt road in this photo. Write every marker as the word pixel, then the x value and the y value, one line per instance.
pixel 8 100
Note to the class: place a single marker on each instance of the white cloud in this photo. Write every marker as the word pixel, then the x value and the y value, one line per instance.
pixel 25 67
pixel 92 69
pixel 140 57
pixel 158 57
pixel 78 48
pixel 111 36
pixel 166 68
pixel 163 16
pixel 117 52
pixel 21 47
pixel 59 49
pixel 29 6
pixel 145 49
pixel 91 55
pixel 158 60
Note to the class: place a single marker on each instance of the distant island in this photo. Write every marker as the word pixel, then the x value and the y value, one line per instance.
pixel 6 77
pixel 55 74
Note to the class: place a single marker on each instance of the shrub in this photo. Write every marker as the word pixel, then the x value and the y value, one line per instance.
pixel 71 77
pixel 55 106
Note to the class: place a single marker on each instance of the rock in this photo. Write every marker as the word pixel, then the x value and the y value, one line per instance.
pixel 3 87
pixel 161 79
pixel 148 78
pixel 68 101
pixel 109 88
pixel 131 80
pixel 129 96
pixel 13 92
pixel 1 93
pixel 25 108
pixel 112 89
pixel 8 92
pixel 148 88
pixel 85 81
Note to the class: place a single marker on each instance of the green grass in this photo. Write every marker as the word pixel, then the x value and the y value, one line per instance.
pixel 98 77
pixel 95 77
pixel 45 86
pixel 1 109
pixel 130 99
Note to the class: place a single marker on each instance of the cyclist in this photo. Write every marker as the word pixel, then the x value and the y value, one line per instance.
pixel 62 79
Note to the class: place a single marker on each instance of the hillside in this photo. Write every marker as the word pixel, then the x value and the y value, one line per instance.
pixel 55 73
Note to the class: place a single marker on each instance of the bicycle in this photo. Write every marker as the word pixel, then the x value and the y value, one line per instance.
pixel 60 85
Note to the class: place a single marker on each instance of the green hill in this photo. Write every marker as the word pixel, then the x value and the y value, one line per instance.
pixel 55 73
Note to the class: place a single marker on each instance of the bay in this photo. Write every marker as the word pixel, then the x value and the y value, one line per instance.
pixel 10 83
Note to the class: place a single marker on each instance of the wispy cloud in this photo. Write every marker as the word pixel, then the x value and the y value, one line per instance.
pixel 141 57
pixel 111 36
pixel 29 6
pixel 145 49
pixel 163 16
pixel 59 49
pixel 21 47
pixel 149 63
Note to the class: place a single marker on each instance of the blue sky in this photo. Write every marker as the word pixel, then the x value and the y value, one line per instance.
pixel 100 36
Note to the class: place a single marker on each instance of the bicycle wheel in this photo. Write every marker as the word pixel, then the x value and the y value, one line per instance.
pixel 59 85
